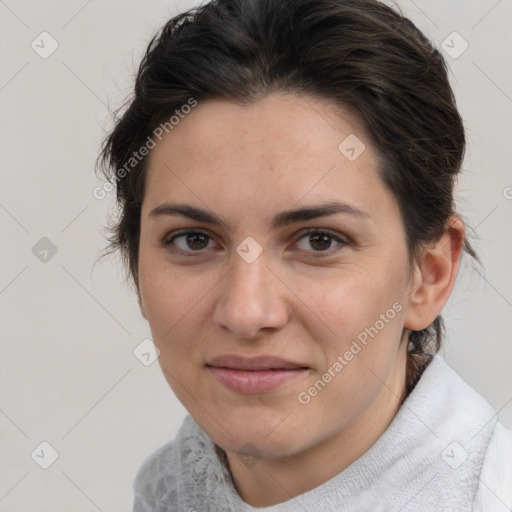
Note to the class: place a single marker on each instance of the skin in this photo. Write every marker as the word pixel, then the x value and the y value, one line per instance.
pixel 296 301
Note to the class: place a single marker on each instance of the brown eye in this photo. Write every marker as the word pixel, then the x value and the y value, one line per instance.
pixel 320 241
pixel 189 241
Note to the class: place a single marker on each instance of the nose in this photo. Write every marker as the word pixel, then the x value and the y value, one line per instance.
pixel 252 299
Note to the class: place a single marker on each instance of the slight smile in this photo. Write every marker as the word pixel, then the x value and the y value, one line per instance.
pixel 254 375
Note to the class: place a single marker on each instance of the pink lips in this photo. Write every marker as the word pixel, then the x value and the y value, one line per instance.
pixel 253 375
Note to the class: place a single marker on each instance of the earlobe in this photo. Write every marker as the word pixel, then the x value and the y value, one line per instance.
pixel 435 276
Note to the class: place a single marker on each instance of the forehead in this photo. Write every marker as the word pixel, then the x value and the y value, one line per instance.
pixel 279 150
pixel 278 125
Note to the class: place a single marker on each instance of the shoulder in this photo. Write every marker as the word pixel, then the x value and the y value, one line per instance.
pixel 159 482
pixel 155 482
pixel 495 487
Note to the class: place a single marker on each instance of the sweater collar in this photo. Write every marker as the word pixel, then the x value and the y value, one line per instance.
pixel 429 458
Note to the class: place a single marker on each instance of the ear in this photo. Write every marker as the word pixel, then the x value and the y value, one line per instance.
pixel 434 276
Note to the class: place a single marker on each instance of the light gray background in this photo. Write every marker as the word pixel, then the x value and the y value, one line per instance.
pixel 68 328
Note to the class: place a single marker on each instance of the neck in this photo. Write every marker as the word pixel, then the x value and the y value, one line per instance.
pixel 273 481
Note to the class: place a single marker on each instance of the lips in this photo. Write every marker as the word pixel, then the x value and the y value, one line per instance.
pixel 254 375
pixel 253 364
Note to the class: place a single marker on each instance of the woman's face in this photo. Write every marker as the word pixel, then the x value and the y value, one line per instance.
pixel 255 280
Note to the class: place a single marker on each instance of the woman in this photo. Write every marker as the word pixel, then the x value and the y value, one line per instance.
pixel 285 179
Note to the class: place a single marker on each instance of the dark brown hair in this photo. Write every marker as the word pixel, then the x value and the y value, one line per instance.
pixel 357 53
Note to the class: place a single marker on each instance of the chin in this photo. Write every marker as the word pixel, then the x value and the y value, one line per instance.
pixel 265 435
pixel 262 447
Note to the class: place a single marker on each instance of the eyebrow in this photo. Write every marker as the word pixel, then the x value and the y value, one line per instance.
pixel 281 219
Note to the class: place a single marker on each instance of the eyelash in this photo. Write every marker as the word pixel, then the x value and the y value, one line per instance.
pixel 167 242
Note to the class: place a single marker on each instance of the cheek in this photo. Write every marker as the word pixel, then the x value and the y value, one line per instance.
pixel 353 302
pixel 364 316
pixel 175 302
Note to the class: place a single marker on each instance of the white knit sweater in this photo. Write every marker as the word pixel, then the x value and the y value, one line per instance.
pixel 444 451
